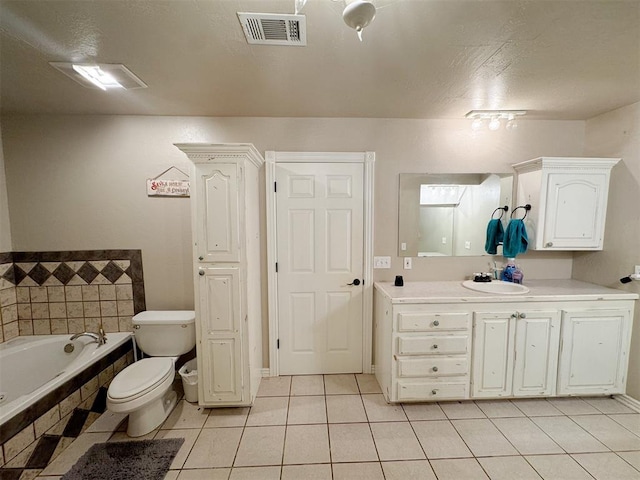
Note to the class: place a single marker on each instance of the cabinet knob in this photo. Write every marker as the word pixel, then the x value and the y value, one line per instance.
pixel 201 273
pixel 435 345
pixel 434 391
pixel 200 258
pixel 436 323
pixel 514 315
pixel 523 315
pixel 548 244
pixel 435 369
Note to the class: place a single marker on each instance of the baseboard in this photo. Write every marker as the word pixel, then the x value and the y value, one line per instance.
pixel 628 401
pixel 266 372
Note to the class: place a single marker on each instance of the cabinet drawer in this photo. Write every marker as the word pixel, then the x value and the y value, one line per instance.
pixel 425 390
pixel 441 345
pixel 419 321
pixel 432 366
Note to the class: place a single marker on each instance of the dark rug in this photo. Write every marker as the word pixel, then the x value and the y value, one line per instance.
pixel 136 460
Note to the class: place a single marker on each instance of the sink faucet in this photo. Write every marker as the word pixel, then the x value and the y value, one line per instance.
pixel 100 338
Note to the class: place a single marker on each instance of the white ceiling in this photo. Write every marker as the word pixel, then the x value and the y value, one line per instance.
pixel 419 59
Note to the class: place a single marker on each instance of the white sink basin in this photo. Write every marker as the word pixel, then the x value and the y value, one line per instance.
pixel 497 286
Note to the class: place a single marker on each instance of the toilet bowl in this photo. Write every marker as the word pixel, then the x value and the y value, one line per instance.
pixel 144 389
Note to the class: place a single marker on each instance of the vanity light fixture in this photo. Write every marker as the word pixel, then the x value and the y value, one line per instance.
pixel 494 118
pixel 104 76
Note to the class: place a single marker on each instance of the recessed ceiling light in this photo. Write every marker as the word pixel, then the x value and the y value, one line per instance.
pixel 103 76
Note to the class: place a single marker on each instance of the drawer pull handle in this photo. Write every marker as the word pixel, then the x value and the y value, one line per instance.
pixel 523 315
pixel 436 323
pixel 435 346
pixel 435 369
pixel 434 391
pixel 200 258
pixel 201 273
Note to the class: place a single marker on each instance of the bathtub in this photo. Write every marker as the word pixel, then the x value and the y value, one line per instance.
pixel 36 372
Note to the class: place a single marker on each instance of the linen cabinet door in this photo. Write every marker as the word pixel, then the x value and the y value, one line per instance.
pixel 492 365
pixel 537 340
pixel 219 347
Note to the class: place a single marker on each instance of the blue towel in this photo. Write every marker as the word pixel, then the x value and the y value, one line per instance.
pixel 515 238
pixel 495 235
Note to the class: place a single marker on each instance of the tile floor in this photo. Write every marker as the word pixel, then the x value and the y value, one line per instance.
pixel 339 427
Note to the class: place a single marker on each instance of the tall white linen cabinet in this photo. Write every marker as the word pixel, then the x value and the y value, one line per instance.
pixel 225 219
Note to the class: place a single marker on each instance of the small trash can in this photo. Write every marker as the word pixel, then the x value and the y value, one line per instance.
pixel 189 374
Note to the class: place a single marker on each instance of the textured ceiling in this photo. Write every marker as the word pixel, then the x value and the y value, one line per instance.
pixel 419 59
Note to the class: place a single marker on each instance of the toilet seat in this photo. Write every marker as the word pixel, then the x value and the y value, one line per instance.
pixel 140 378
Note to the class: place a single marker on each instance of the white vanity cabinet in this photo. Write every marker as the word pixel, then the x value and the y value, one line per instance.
pixel 226 234
pixel 568 197
pixel 440 341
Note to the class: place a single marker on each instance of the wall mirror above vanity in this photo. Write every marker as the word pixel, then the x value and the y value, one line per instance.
pixel 447 214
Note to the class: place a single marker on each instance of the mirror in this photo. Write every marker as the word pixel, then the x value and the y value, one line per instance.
pixel 447 214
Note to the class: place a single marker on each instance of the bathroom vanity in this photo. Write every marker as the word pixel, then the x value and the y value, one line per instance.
pixel 440 341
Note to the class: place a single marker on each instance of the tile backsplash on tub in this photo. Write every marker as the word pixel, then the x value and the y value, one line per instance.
pixel 43 293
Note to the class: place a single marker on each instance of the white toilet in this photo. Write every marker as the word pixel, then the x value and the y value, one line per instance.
pixel 143 389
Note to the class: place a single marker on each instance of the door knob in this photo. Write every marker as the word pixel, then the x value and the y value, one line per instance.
pixel 356 282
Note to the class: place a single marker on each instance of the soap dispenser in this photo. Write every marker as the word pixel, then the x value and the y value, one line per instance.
pixel 509 268
pixel 517 276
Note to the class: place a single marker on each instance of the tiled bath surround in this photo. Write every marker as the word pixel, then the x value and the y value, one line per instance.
pixel 44 293
pixel 58 293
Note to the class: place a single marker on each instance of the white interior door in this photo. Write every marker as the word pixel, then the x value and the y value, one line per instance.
pixel 320 231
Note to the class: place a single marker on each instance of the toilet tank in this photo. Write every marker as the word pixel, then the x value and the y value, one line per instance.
pixel 165 333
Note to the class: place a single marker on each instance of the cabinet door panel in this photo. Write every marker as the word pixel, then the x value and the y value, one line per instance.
pixel 492 358
pixel 536 352
pixel 594 351
pixel 221 382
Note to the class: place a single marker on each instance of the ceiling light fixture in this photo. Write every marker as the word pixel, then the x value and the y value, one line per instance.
pixel 494 117
pixel 95 75
pixel 358 14
pixel 105 76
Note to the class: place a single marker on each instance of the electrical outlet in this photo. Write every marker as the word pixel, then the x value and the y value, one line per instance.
pixel 381 262
pixel 467 245
pixel 637 272
pixel 407 263
pixel 403 246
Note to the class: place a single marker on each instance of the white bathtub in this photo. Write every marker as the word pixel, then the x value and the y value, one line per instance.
pixel 33 366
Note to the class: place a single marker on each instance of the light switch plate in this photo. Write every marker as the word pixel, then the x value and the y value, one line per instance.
pixel 407 263
pixel 637 272
pixel 381 262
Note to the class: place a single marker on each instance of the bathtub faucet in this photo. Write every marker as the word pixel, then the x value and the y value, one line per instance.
pixel 100 338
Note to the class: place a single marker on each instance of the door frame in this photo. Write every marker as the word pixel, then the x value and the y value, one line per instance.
pixel 272 158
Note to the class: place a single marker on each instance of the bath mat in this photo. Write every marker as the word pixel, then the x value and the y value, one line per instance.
pixel 135 460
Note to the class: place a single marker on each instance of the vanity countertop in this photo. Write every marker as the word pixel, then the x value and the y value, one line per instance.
pixel 539 291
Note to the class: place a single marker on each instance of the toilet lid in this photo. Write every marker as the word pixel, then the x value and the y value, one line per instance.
pixel 140 376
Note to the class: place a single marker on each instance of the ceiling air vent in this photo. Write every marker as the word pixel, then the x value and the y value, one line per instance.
pixel 274 28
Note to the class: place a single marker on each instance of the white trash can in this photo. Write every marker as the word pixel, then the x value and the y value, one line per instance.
pixel 189 374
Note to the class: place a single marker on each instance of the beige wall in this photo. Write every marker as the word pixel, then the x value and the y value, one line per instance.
pixel 5 228
pixel 617 134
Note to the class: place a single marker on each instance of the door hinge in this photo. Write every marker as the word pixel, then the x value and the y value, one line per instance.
pixel 278 343
pixel 276 267
pixel 275 186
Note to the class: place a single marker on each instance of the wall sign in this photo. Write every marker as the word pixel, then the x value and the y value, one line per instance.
pixel 157 187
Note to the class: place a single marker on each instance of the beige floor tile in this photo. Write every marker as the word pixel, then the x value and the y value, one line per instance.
pixel 108 422
pixel 170 475
pixel 573 406
pixel 255 473
pixel 260 446
pixel 408 470
pixel 214 448
pixel 460 410
pixel 227 417
pixel 268 411
pixel 341 385
pixel 190 436
pixel 570 436
pixel 307 410
pixel 378 410
pixel 396 441
pixel 499 408
pixel 631 421
pixel 440 440
pixel 73 452
pixel 275 387
pixel 306 444
pixel 508 468
pixel 205 474
pixel 606 466
pixel 186 415
pixel 123 437
pixel 458 469
pixel 306 472
pixel 612 434
pixel 357 471
pixel 607 405
pixel 352 442
pixel 423 411
pixel 483 438
pixel 345 409
pixel 367 383
pixel 526 436
pixel 556 467
pixel 536 407
pixel 307 385
pixel 632 458
pixel 21 459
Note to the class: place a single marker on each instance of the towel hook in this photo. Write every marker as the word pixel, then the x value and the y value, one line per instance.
pixel 502 211
pixel 527 207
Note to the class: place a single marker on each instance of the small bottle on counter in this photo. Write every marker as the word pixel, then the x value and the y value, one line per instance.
pixel 517 276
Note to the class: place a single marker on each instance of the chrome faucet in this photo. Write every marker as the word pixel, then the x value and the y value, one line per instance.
pixel 100 338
